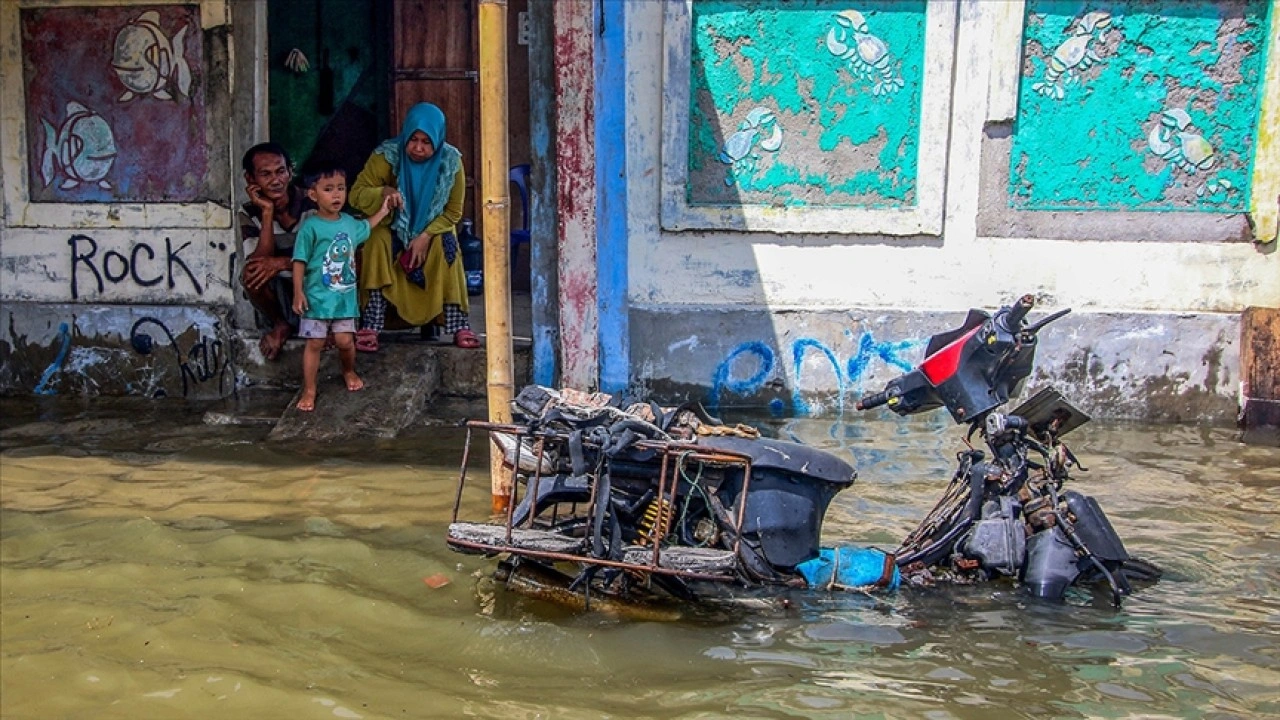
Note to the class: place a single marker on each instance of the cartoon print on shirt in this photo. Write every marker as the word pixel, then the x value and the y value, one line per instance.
pixel 339 267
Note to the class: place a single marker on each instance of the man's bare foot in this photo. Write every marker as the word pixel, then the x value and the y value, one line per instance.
pixel 307 402
pixel 273 341
pixel 354 382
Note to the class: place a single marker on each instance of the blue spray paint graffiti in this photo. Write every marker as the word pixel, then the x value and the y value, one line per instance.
pixel 798 349
pixel 64 334
pixel 889 352
pixel 723 379
pixel 204 361
pixel 868 350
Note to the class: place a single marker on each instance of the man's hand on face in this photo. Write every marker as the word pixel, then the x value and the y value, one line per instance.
pixel 257 271
pixel 269 181
pixel 257 197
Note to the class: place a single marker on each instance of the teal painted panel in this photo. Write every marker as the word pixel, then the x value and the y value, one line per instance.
pixel 810 103
pixel 1138 105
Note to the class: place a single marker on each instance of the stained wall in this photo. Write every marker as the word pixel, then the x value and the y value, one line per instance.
pixel 828 184
pixel 117 257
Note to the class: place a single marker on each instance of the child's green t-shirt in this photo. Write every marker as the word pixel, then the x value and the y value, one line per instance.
pixel 328 247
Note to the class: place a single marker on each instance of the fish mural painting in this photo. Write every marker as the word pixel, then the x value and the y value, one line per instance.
pixel 148 62
pixel 118 103
pixel 81 150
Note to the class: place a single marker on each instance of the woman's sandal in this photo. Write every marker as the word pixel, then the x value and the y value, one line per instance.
pixel 464 338
pixel 367 340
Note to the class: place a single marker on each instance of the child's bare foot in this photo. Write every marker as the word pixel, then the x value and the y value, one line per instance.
pixel 354 382
pixel 307 402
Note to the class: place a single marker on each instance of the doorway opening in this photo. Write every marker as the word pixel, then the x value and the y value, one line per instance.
pixel 342 75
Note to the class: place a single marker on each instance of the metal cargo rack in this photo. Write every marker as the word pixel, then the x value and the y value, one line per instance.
pixel 693 563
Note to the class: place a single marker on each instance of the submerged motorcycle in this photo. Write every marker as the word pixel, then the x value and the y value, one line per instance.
pixel 1005 512
pixel 617 504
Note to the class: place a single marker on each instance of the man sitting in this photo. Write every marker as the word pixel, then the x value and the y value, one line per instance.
pixel 268 223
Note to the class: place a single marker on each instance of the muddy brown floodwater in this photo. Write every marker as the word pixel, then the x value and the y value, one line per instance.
pixel 153 565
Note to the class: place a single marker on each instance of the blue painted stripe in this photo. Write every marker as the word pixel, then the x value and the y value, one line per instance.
pixel 42 388
pixel 611 196
pixel 542 252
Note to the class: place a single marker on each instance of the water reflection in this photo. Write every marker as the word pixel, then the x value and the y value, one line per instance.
pixel 156 566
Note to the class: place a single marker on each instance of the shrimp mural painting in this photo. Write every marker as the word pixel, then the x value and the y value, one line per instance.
pixel 1153 105
pixel 118 96
pixel 1073 56
pixel 812 104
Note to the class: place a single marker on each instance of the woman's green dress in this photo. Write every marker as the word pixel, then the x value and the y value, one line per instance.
pixel 446 282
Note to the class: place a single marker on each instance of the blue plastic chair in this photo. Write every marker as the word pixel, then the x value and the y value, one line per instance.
pixel 520 176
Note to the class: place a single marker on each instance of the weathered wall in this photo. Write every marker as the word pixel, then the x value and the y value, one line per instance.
pixel 117 257
pixel 1102 199
pixel 805 362
pixel 150 350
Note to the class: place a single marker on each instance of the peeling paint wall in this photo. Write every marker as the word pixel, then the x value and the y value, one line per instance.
pixel 1138 105
pixel 575 192
pixel 804 316
pixel 117 255
pixel 805 104
pixel 822 362
pixel 152 351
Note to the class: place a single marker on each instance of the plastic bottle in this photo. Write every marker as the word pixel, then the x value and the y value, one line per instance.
pixel 472 258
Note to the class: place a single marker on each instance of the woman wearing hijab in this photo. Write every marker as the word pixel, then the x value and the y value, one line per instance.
pixel 411 261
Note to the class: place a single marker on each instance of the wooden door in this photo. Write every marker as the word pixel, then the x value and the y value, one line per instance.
pixel 436 59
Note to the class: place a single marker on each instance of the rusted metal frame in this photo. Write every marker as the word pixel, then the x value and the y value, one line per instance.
pixel 537 479
pixel 566 557
pixel 462 475
pixel 512 497
pixel 697 451
pixel 662 488
pixel 742 507
pixel 666 448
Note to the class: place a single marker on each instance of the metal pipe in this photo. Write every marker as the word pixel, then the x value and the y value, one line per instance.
pixel 462 476
pixel 533 486
pixel 662 489
pixel 495 192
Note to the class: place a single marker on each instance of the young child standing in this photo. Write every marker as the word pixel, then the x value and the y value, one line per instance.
pixel 324 279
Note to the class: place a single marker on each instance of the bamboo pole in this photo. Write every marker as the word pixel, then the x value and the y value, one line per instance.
pixel 495 192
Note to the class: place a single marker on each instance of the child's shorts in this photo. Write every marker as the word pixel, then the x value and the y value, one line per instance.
pixel 319 329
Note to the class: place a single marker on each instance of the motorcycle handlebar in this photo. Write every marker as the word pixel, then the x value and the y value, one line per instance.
pixel 873 400
pixel 1018 311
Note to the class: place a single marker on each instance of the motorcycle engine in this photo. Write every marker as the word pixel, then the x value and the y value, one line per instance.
pixel 997 541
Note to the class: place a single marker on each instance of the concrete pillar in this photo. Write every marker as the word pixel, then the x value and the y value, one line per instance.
pixel 576 192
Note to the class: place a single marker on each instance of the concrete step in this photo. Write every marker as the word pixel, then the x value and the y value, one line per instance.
pixel 402 380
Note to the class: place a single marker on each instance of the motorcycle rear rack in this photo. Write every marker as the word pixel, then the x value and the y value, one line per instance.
pixel 493 538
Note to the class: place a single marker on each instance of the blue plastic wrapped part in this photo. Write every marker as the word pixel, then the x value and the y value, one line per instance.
pixel 850 567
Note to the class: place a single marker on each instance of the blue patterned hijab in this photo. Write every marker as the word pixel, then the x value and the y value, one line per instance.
pixel 425 185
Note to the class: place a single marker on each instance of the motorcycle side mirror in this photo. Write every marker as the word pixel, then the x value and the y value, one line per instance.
pixel 1034 328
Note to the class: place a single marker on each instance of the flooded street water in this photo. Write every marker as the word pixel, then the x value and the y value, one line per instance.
pixel 156 566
